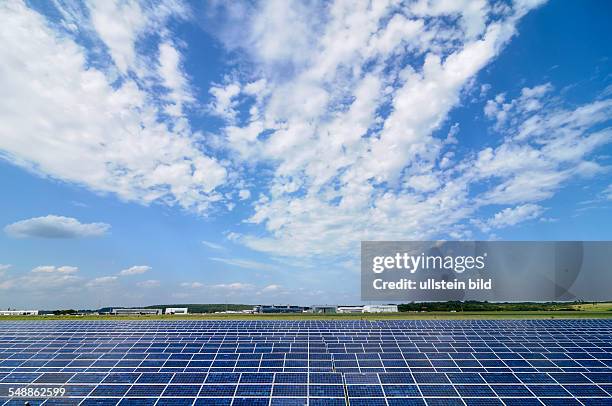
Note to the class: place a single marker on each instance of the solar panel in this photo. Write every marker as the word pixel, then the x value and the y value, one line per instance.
pixel 401 391
pixel 388 362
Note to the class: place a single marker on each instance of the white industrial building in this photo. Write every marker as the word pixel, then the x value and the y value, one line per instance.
pixel 18 312
pixel 120 312
pixel 324 309
pixel 177 310
pixel 368 309
pixel 380 309
pixel 350 309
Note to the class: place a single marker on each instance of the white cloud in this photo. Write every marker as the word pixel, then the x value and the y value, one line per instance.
pixel 543 148
pixel 245 263
pixel 53 269
pixel 174 79
pixel 135 270
pixel 276 30
pixel 233 287
pixel 55 227
pixel 4 267
pixel 119 24
pixel 271 288
pixel 101 281
pixel 90 128
pixel 344 169
pixel 213 245
pixel 44 278
pixel 607 193
pixel 241 292
pixel 423 183
pixel 224 104
pixel 512 216
pixel 244 194
pixel 346 108
pixel 529 101
pixel 150 283
pixel 192 285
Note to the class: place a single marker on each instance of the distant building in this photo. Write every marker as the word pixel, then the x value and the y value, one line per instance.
pixel 324 309
pixel 350 309
pixel 18 312
pixel 380 309
pixel 120 312
pixel 278 309
pixel 246 311
pixel 177 310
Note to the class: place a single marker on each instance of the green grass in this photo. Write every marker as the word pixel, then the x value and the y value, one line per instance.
pixel 597 313
pixel 594 307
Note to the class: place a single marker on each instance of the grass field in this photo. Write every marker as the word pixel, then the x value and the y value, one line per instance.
pixel 594 307
pixel 595 312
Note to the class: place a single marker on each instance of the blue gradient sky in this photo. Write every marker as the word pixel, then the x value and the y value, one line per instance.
pixel 173 152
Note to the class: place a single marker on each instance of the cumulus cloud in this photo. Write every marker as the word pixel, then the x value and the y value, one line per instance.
pixel 101 281
pixel 135 270
pixel 98 125
pixel 530 100
pixel 4 267
pixel 118 25
pixel 544 147
pixel 55 227
pixel 224 104
pixel 174 79
pixel 271 288
pixel 511 216
pixel 244 194
pixel 351 134
pixel 343 106
pixel 53 269
pixel 44 278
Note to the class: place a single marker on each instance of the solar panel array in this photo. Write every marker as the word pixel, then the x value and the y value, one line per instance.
pixel 357 363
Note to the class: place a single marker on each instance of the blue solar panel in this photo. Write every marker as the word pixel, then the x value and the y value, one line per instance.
pixel 401 390
pixel 335 391
pixel 110 390
pixel 364 391
pixel 521 402
pixel 475 391
pixel 482 402
pixel 438 391
pixel 213 402
pixel 368 402
pixel 406 402
pixel 391 363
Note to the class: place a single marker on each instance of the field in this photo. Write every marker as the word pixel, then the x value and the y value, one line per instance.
pixel 504 311
pixel 594 307
pixel 588 312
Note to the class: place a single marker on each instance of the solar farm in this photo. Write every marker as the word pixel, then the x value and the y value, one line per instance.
pixel 308 362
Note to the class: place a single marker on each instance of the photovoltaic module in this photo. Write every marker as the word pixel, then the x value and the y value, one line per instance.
pixel 257 362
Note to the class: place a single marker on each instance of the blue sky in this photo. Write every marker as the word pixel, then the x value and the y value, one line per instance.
pixel 158 152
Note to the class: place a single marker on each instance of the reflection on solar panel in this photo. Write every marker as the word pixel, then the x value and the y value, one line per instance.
pixel 390 363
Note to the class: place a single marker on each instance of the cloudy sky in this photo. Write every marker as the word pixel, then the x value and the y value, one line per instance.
pixel 168 152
